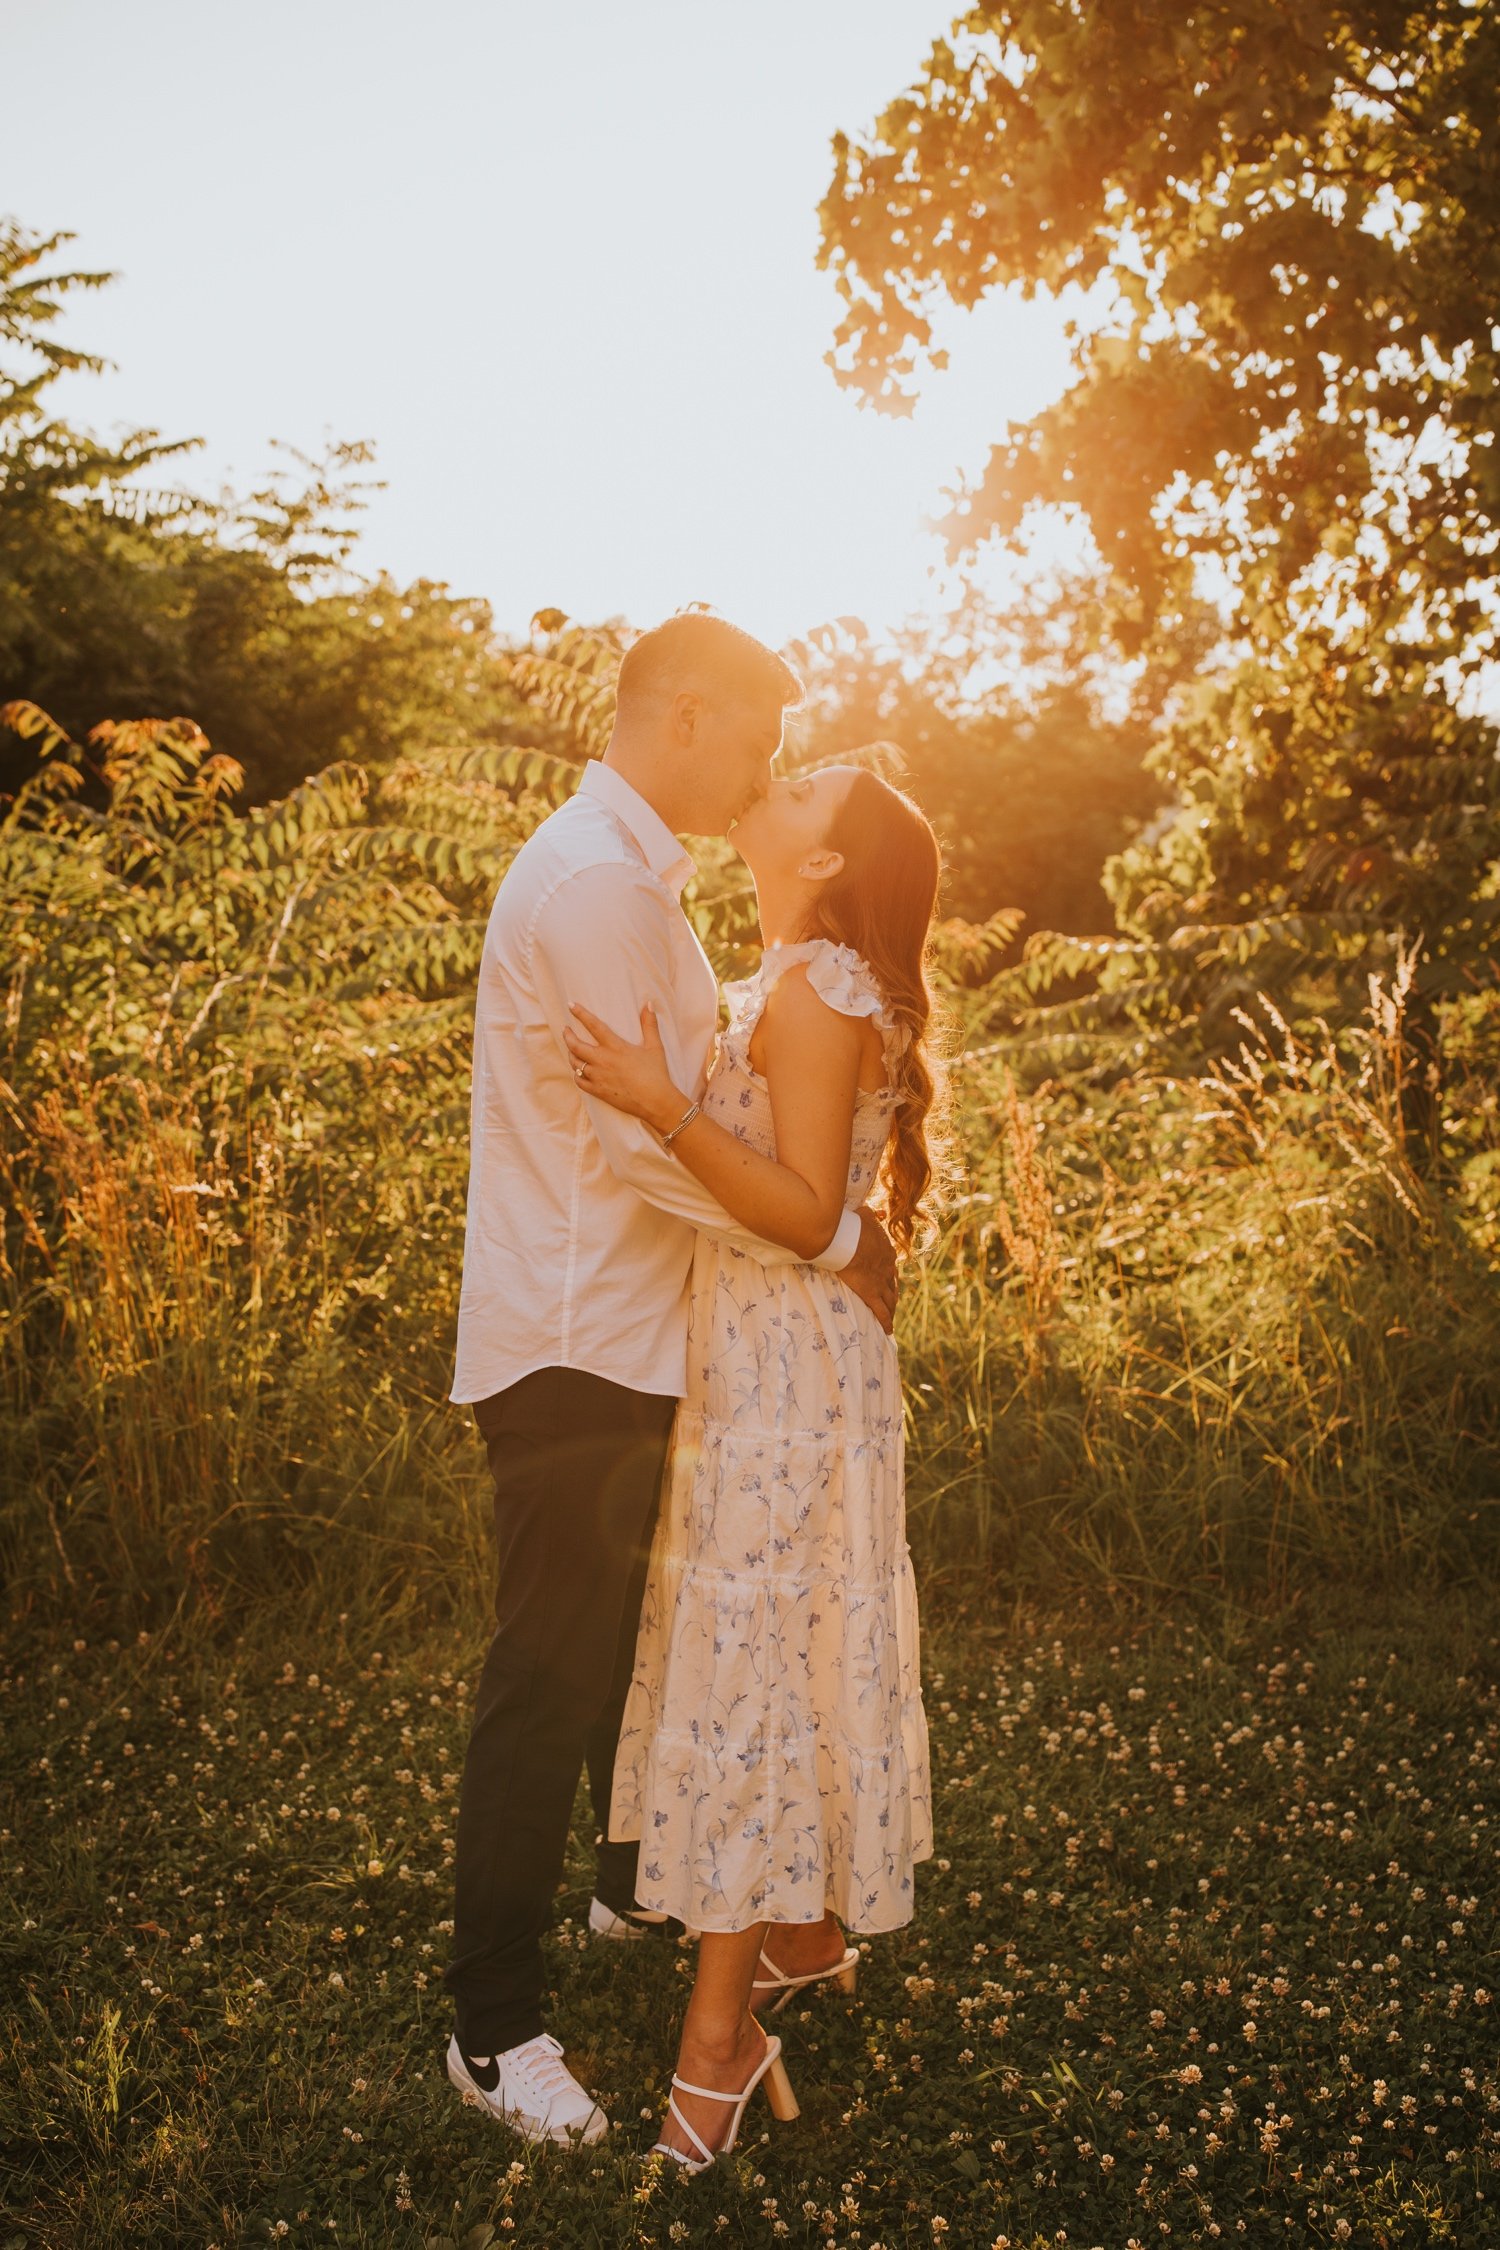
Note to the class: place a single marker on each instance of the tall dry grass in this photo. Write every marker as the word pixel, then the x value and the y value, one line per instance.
pixel 1211 1334
pixel 1207 1333
pixel 212 1387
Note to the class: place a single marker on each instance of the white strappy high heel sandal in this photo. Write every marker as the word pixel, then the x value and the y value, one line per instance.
pixel 844 1974
pixel 778 2093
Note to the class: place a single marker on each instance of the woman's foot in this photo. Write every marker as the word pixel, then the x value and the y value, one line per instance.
pixel 804 1949
pixel 727 2069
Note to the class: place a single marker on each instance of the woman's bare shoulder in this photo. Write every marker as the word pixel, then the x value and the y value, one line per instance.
pixel 795 1013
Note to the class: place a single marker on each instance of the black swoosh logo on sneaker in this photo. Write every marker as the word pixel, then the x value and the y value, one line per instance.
pixel 486 2076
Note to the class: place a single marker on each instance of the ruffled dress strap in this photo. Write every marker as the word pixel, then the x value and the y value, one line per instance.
pixel 841 978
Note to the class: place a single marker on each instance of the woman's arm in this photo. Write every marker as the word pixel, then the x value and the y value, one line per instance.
pixel 812 1059
pixel 603 937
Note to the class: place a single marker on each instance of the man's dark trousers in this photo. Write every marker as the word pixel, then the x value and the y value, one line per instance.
pixel 577 1465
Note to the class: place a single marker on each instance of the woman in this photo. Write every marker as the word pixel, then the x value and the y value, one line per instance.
pixel 773 1757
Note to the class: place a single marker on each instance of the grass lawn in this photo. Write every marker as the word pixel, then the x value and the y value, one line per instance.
pixel 1208 1956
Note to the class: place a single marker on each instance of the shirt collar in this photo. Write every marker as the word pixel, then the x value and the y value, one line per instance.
pixel 665 857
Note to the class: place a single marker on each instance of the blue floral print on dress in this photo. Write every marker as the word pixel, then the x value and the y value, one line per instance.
pixel 774 1745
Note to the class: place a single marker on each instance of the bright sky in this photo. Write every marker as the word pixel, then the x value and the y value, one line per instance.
pixel 556 262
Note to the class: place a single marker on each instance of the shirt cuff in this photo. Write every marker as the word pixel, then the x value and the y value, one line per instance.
pixel 843 1246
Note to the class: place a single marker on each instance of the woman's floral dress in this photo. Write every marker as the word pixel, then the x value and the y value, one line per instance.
pixel 773 1756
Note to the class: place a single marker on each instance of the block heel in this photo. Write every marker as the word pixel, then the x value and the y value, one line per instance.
pixel 784 2104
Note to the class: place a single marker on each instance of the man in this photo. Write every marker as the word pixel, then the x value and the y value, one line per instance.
pixel 572 1329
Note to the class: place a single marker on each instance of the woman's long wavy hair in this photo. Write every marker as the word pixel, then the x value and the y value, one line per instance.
pixel 881 903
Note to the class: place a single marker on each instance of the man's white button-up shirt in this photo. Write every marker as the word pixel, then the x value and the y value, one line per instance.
pixel 581 1225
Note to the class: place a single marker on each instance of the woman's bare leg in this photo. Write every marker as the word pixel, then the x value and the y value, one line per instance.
pixel 721 2041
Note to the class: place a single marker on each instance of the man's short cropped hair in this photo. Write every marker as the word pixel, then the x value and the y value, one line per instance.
pixel 696 650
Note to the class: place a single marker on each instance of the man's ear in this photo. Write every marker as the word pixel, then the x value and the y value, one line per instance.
pixel 686 710
pixel 822 865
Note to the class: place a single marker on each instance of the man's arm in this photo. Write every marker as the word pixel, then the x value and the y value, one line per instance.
pixel 603 938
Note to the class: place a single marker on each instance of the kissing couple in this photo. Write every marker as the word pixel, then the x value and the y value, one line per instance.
pixel 674 1331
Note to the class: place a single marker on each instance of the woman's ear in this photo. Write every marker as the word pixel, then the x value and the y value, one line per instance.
pixel 822 865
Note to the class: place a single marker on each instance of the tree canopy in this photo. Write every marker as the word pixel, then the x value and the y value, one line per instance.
pixel 1282 428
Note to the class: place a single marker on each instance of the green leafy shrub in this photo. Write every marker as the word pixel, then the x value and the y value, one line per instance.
pixel 1172 1332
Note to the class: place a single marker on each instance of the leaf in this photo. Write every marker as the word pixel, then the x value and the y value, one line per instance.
pixel 32 724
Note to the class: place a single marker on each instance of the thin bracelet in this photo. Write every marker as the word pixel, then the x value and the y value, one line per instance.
pixel 682 1123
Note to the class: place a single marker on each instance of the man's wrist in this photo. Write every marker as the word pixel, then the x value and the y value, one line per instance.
pixel 845 1243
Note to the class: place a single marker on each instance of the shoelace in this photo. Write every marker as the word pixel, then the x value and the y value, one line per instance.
pixel 541 2059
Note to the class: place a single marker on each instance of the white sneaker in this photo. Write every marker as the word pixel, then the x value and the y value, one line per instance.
pixel 606 1923
pixel 531 2089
